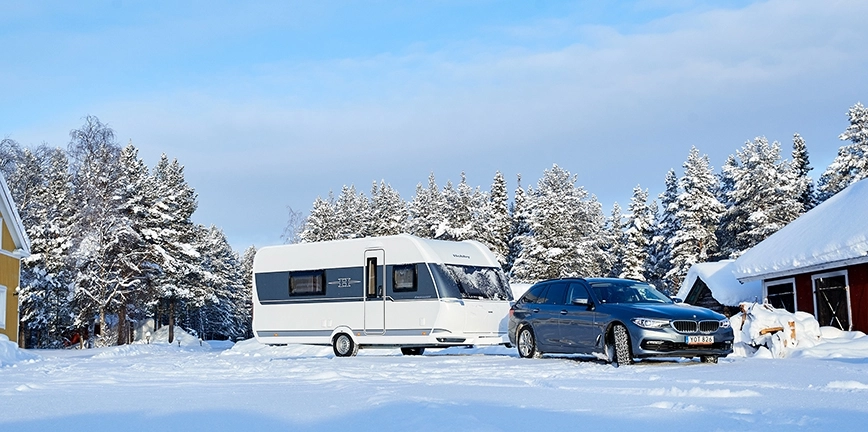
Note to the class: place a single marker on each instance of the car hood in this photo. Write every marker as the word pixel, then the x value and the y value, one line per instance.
pixel 667 310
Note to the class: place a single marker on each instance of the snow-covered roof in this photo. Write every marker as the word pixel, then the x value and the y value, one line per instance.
pixel 833 234
pixel 719 278
pixel 12 220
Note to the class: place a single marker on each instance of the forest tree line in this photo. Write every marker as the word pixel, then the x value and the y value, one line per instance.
pixel 558 229
pixel 113 244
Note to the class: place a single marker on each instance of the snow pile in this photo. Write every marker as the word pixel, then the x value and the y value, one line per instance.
pixel 182 339
pixel 10 354
pixel 252 348
pixel 763 331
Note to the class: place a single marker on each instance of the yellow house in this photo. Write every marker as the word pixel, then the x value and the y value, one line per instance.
pixel 15 246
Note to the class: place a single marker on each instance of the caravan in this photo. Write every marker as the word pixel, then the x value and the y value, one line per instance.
pixel 395 291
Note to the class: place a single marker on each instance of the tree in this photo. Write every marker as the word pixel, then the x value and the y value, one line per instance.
pixel 496 222
pixel 698 212
pixel 426 210
pixel 638 236
pixel 244 309
pixel 615 241
pixel 388 211
pixel 802 168
pixel 666 226
pixel 321 224
pixel 764 195
pixel 851 164
pixel 352 213
pixel 520 227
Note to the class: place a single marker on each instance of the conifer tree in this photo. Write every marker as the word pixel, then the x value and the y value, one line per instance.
pixel 851 164
pixel 495 220
pixel 666 227
pixel 698 212
pixel 321 224
pixel 637 235
pixel 426 210
pixel 802 168
pixel 615 241
pixel 388 211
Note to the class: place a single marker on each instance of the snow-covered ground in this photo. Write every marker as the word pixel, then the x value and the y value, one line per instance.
pixel 248 386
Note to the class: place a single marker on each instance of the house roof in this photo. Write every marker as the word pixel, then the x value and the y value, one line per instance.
pixel 13 221
pixel 833 234
pixel 725 288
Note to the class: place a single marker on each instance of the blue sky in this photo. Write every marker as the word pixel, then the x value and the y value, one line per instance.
pixel 270 104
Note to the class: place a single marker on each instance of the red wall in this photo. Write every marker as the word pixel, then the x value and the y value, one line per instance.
pixel 857 276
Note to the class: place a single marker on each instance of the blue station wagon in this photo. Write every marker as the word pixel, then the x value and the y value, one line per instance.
pixel 619 319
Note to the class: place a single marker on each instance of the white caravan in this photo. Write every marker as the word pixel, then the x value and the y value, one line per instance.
pixel 395 291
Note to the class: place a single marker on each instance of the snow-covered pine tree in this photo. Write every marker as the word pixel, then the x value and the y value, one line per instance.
pixel 244 308
pixel 851 164
pixel 615 242
pixel 180 281
pixel 352 213
pixel 321 224
pixel 217 317
pixel 802 168
pixel 698 213
pixel 520 227
pixel 764 196
pixel 459 217
pixel 495 220
pixel 426 210
pixel 47 275
pixel 637 236
pixel 566 230
pixel 666 227
pixel 388 211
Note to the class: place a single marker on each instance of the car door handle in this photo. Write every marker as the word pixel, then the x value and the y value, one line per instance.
pixel 535 310
pixel 563 312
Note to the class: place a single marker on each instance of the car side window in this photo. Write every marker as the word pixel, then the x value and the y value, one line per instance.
pixel 577 291
pixel 556 294
pixel 534 294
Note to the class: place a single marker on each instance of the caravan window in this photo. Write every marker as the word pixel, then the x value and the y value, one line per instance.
pixel 307 283
pixel 471 282
pixel 404 278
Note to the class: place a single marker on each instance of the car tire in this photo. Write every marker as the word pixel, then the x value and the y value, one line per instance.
pixel 623 351
pixel 526 342
pixel 344 346
pixel 412 351
pixel 708 359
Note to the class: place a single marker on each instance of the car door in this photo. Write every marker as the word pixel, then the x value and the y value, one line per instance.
pixel 549 316
pixel 578 330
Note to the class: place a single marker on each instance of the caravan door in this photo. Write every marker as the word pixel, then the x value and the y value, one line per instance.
pixel 375 294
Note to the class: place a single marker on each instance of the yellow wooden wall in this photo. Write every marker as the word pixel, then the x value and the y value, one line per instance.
pixel 9 273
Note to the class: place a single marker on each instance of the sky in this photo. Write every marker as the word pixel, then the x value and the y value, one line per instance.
pixel 271 104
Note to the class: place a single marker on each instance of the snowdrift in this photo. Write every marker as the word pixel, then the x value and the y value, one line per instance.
pixel 11 354
pixel 763 331
pixel 182 339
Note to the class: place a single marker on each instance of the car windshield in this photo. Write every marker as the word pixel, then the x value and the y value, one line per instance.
pixel 628 292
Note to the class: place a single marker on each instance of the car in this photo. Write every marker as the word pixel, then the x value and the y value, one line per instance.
pixel 617 319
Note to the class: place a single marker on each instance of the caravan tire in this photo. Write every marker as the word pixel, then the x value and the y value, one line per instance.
pixel 708 359
pixel 411 351
pixel 344 346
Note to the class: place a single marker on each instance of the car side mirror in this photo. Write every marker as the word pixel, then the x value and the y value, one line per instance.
pixel 581 302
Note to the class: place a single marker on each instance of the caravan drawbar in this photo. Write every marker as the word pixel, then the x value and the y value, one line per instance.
pixel 393 291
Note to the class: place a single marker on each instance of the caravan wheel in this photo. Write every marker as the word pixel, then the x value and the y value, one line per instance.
pixel 412 351
pixel 344 346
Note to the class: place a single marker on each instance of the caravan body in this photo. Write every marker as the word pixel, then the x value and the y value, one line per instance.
pixel 394 291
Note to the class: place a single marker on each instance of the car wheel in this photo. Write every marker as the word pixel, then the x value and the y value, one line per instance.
pixel 412 351
pixel 344 346
pixel 708 359
pixel 527 344
pixel 623 352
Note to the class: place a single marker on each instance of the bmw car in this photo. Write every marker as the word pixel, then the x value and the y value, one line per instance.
pixel 618 319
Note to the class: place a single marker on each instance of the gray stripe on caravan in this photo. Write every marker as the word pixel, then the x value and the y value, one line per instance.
pixel 290 333
pixel 313 300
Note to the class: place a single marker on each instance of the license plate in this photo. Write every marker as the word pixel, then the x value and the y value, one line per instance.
pixel 700 340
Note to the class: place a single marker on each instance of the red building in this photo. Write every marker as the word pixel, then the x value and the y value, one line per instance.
pixel 818 263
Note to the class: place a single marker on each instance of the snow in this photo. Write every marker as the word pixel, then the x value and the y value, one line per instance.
pixel 725 288
pixel 249 386
pixel 832 232
pixel 10 354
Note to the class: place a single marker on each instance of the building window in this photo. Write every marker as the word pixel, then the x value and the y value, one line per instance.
pixel 307 283
pixel 404 278
pixel 832 300
pixel 781 294
pixel 2 307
